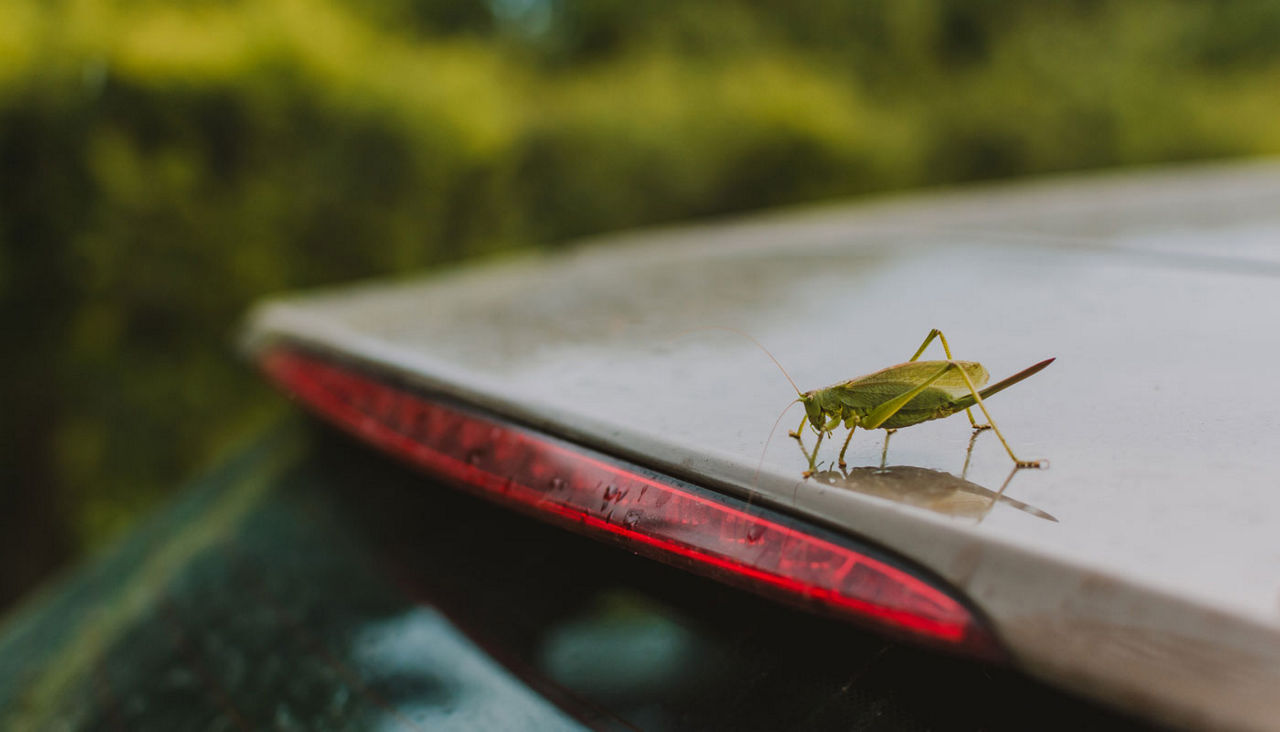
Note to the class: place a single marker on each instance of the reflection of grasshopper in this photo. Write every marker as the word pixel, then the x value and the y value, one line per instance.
pixel 933 490
pixel 904 395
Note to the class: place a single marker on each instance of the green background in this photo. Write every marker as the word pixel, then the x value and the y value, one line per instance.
pixel 164 164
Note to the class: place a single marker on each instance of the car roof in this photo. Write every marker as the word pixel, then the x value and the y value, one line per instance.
pixel 1143 565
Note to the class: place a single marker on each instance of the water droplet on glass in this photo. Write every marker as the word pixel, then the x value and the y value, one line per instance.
pixel 632 518
pixel 754 533
pixel 610 491
pixel 557 484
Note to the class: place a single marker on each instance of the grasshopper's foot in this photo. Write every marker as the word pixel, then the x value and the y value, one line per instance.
pixel 793 435
pixel 843 464
pixel 1038 464
pixel 981 427
pixel 807 474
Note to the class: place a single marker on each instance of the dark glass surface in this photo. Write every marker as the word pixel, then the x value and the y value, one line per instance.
pixel 309 583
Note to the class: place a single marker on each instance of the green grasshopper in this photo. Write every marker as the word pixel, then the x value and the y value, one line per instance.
pixel 904 395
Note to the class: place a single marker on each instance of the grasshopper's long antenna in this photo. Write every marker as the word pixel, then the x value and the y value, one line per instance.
pixel 759 345
pixel 755 477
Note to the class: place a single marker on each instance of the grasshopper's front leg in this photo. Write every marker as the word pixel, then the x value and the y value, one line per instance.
pixel 946 348
pixel 799 430
pixel 826 429
pixel 813 456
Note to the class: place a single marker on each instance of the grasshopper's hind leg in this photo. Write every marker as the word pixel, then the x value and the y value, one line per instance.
pixel 946 348
pixel 885 411
pixel 927 340
pixel 1018 463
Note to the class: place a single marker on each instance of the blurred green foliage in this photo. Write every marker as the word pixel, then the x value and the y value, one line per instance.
pixel 166 163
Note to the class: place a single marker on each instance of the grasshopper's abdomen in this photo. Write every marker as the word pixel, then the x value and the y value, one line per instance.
pixel 908 417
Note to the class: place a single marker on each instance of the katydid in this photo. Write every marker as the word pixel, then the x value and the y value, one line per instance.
pixel 904 395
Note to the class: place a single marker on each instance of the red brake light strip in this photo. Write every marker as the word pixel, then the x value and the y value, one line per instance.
pixel 655 515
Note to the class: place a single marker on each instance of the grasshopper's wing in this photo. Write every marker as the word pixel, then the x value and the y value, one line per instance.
pixel 966 400
pixel 868 392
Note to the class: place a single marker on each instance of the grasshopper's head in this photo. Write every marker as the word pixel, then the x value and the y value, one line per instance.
pixel 813 409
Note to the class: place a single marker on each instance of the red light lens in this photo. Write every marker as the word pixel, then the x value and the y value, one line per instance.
pixel 655 515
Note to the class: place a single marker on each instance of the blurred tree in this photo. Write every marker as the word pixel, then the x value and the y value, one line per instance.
pixel 164 164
